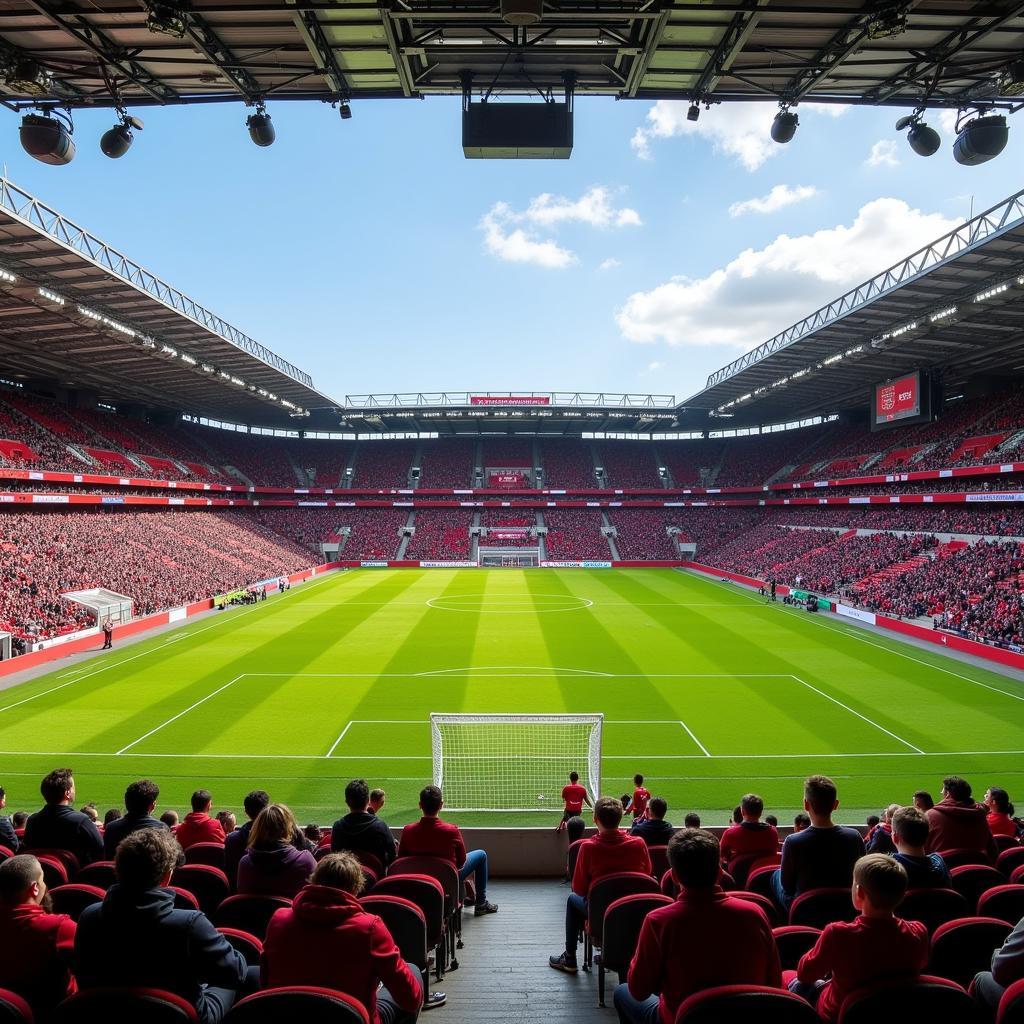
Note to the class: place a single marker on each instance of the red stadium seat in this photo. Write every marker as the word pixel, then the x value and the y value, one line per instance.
pixel 447 874
pixel 298 1003
pixel 932 907
pixel 659 860
pixel 1010 858
pixel 100 873
pixel 249 913
pixel 735 1004
pixel 602 894
pixel 5 854
pixel 248 945
pixel 427 893
pixel 1005 902
pixel 760 881
pixel 958 858
pixel 183 899
pixel 14 1009
pixel 1004 843
pixel 741 867
pixel 1011 1005
pixel 206 853
pixel 622 922
pixel 406 923
pixel 570 858
pixel 125 1006
pixel 926 998
pixel 960 949
pixel 971 880
pixel 65 857
pixel 371 861
pixel 668 885
pixel 54 872
pixel 819 907
pixel 770 910
pixel 208 884
pixel 73 898
pixel 1017 875
pixel 792 941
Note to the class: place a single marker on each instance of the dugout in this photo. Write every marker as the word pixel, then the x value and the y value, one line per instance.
pixel 102 604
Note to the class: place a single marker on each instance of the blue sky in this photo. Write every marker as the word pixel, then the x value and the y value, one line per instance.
pixel 373 255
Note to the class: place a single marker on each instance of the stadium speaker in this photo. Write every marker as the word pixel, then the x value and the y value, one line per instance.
pixel 116 141
pixel 784 126
pixel 521 12
pixel 47 139
pixel 981 140
pixel 261 128
pixel 517 131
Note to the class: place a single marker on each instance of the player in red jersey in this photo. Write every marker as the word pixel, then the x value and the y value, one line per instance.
pixel 575 796
pixel 641 797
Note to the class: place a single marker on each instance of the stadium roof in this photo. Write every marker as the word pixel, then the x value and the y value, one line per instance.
pixel 75 312
pixel 956 306
pixel 158 52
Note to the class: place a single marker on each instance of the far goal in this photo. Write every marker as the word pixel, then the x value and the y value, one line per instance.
pixel 514 762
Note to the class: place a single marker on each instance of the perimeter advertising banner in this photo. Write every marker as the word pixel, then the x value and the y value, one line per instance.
pixel 508 400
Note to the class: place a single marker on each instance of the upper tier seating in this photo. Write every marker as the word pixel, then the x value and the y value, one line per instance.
pixel 568 463
pixel 629 464
pixel 575 533
pixel 447 463
pixel 383 464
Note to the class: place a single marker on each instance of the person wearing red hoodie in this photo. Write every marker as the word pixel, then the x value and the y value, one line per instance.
pixel 327 939
pixel 956 822
pixel 609 851
pixel 36 945
pixel 199 827
pixel 1000 813
pixel 874 948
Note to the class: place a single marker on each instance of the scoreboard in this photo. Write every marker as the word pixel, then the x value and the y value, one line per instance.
pixel 901 400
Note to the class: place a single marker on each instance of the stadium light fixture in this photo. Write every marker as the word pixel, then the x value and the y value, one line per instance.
pixel 57 300
pixel 166 17
pixel 7 277
pixel 261 128
pixel 116 141
pixel 693 113
pixel 46 137
pixel 980 140
pixel 27 76
pixel 785 125
pixel 345 110
pixel 1011 81
pixel 924 141
pixel 887 20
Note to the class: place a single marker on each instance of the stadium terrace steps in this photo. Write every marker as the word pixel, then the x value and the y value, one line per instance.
pixel 890 572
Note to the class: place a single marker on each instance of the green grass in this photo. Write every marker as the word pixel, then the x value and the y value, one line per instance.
pixel 258 696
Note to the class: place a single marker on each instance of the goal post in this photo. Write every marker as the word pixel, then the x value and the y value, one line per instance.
pixel 514 762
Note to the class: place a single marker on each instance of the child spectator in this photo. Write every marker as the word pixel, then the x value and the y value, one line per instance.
pixel 910 834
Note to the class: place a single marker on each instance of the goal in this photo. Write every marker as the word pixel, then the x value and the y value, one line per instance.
pixel 514 762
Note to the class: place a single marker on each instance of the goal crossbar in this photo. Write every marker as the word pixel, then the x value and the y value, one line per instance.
pixel 513 762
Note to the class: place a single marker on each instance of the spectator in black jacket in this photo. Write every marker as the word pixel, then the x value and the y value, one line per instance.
pixel 820 856
pixel 58 825
pixel 136 937
pixel 655 830
pixel 361 831
pixel 8 837
pixel 139 803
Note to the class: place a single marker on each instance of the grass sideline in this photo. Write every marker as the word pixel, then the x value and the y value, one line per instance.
pixel 705 689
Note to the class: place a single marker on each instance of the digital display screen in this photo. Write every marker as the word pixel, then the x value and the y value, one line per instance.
pixel 897 400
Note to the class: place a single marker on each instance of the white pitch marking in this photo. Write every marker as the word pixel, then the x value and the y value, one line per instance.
pixel 689 733
pixel 180 714
pixel 339 739
pixel 864 718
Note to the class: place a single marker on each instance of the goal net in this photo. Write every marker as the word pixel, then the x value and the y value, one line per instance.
pixel 514 762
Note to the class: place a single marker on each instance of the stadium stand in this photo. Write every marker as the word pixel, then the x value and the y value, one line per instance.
pixel 383 464
pixel 628 464
pixel 446 463
pixel 642 533
pixel 441 534
pixel 568 463
pixel 691 463
pixel 495 519
pixel 575 533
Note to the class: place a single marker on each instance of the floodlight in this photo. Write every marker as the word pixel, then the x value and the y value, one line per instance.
pixel 28 77
pixel 784 126
pixel 261 130
pixel 166 17
pixel 981 140
pixel 694 112
pixel 345 110
pixel 887 20
pixel 1011 81
pixel 116 141
pixel 924 141
pixel 47 138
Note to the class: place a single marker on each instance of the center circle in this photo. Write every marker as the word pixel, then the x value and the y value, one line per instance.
pixel 509 604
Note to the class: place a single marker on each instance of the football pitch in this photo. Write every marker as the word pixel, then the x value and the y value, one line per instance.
pixel 706 690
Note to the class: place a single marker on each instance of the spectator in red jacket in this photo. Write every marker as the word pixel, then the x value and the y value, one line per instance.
pixel 1000 813
pixel 751 836
pixel 706 938
pixel 957 822
pixel 609 851
pixel 432 837
pixel 272 866
pixel 36 945
pixel 851 955
pixel 326 939
pixel 198 826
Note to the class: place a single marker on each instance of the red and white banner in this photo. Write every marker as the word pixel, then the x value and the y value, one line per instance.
pixel 507 480
pixel 898 399
pixel 509 400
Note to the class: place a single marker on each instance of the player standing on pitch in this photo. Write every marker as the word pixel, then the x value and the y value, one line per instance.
pixel 575 796
pixel 641 797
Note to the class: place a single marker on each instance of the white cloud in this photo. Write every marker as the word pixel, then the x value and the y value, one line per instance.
pixel 762 291
pixel 609 264
pixel 513 235
pixel 738 130
pixel 780 197
pixel 883 154
pixel 595 207
pixel 514 245
pixel 947 121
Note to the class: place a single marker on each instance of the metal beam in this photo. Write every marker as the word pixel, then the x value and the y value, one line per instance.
pixel 729 47
pixel 320 50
